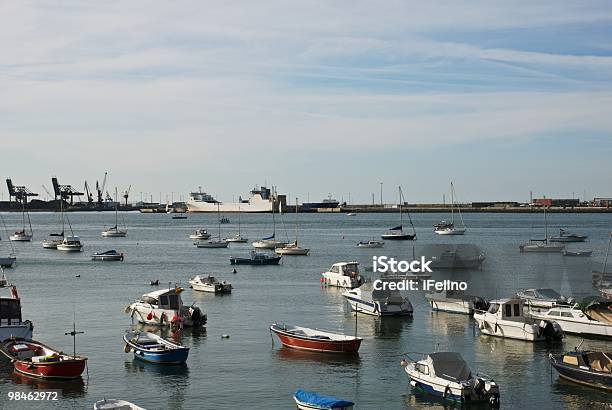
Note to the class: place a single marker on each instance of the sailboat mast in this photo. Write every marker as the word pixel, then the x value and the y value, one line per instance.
pixel 452 204
pixel 607 254
pixel 545 226
pixel 239 212
pixel 296 220
pixel 400 207
pixel 218 221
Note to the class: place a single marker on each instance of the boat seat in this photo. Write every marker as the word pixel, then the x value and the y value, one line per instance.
pixel 45 359
pixel 600 361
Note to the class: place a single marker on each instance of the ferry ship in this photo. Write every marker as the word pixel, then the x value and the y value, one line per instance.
pixel 262 200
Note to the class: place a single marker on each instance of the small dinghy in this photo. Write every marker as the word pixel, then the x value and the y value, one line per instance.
pixel 589 368
pixel 200 235
pixel 115 404
pixel 370 244
pixel 306 400
pixel 35 359
pixel 314 340
pixel 584 254
pixel 213 243
pixel 111 255
pixel 447 375
pixel 154 349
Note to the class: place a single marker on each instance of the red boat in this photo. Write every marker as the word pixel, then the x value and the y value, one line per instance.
pixel 314 340
pixel 35 359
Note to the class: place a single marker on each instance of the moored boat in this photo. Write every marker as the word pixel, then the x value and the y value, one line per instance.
pixel 589 368
pixel 383 302
pixel 115 404
pixel 292 249
pixel 209 284
pixel 38 360
pixel 370 244
pixel 595 319
pixel 21 236
pixel 306 400
pixel 154 349
pixel 447 375
pixel 455 301
pixel 506 318
pixel 256 258
pixel 70 244
pixel 449 228
pixel 200 235
pixel 584 254
pixel 314 340
pixel 111 255
pixel 343 275
pixel 565 236
pixel 397 233
pixel 11 321
pixel 165 308
pixel 213 243
pixel 543 298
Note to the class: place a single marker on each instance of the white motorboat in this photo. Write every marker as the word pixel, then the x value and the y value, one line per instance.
pixel 455 301
pixel 111 255
pixel 506 318
pixel 200 235
pixel 574 320
pixel 449 228
pixel 542 245
pixel 343 275
pixel 237 239
pixel 565 236
pixel 209 284
pixel 11 322
pixel 51 243
pixel 543 298
pixel 70 244
pixel 370 244
pixel 447 375
pixel 366 299
pixel 115 404
pixel 165 308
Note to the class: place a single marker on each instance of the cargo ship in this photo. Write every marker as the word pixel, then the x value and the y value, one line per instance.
pixel 262 200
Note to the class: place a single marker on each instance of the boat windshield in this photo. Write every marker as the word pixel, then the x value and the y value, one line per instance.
pixel 10 309
pixel 493 308
pixel 350 269
pixel 548 294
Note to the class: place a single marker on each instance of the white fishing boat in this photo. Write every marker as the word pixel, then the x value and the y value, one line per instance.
pixel 397 233
pixel 209 284
pixel 200 235
pixel 217 242
pixel 447 375
pixel 366 299
pixel 449 228
pixel 165 308
pixel 261 200
pixel 542 245
pixel 343 275
pixel 11 321
pixel 114 231
pixel 572 319
pixel 455 301
pixel 370 244
pixel 506 318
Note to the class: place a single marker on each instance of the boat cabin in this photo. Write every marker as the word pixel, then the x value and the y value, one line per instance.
pixel 508 309
pixel 10 311
pixel 597 361
pixel 164 299
pixel 345 268
pixel 446 365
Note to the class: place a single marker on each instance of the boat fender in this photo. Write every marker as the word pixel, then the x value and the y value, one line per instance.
pixel 403 363
pixel 162 318
pixel 127 348
pixel 495 327
pixel 127 309
pixel 174 318
pixel 447 392
pixel 150 315
pixel 482 325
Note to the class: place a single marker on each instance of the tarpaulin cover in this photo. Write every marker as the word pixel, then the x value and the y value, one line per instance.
pixel 324 402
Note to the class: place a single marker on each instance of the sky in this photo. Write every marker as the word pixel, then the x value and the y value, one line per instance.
pixel 313 97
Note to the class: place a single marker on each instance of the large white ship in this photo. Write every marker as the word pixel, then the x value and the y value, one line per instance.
pixel 262 200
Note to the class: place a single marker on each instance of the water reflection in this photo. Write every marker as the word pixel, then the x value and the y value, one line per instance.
pixel 287 354
pixel 449 324
pixel 389 327
pixel 68 388
pixel 181 336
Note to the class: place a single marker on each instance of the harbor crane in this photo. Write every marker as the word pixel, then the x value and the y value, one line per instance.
pixel 100 189
pixel 64 191
pixel 88 193
pixel 21 193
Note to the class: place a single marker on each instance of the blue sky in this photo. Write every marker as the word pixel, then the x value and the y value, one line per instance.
pixel 314 97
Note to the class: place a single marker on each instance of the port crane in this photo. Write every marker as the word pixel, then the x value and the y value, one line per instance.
pixel 100 189
pixel 64 191
pixel 88 193
pixel 21 193
pixel 126 194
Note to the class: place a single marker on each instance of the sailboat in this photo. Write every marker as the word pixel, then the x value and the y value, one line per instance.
pixel 603 278
pixel 270 242
pixel 293 248
pixel 23 236
pixel 448 228
pixel 238 238
pixel 214 243
pixel 397 233
pixel 70 243
pixel 115 232
pixel 542 245
pixel 52 242
pixel 8 260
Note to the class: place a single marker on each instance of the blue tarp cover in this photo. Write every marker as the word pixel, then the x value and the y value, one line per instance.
pixel 397 228
pixel 325 402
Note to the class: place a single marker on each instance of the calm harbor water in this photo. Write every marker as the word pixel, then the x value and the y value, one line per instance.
pixel 248 370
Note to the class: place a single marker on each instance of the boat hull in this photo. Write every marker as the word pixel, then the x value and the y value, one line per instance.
pixel 292 251
pixel 273 260
pixel 399 237
pixel 313 344
pixel 508 329
pixel 114 234
pixel 451 305
pixel 542 249
pixel 375 308
pixel 341 281
pixel 222 244
pixel 454 231
pixel 582 376
pixel 69 248
pixel 20 238
pixel 266 244
pixel 67 369
pixel 107 258
pixel 305 406
pixel 7 262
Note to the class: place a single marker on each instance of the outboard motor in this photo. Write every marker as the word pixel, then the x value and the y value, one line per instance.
pixel 494 402
pixel 197 317
pixel 551 330
pixel 480 304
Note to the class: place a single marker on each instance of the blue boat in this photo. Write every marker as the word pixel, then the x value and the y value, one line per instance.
pixel 154 349
pixel 306 400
